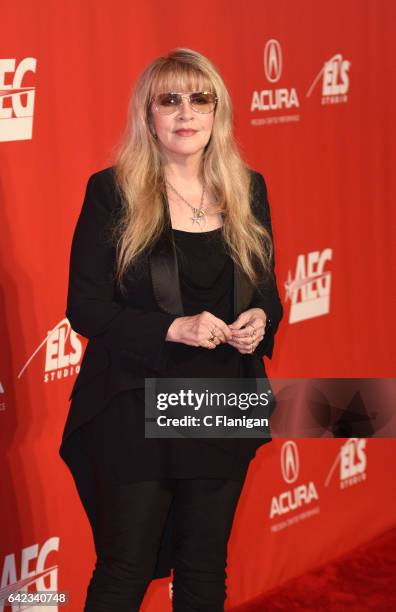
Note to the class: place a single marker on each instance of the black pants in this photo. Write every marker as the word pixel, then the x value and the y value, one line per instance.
pixel 127 526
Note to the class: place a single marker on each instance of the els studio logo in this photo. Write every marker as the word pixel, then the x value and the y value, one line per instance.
pixel 309 290
pixel 59 362
pixel 16 99
pixel 352 462
pixel 335 80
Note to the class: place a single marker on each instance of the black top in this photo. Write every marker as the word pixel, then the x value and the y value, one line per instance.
pixel 206 281
pixel 117 434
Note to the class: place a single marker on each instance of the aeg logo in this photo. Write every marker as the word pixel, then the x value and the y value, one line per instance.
pixel 309 290
pixel 15 577
pixel 59 362
pixel 16 101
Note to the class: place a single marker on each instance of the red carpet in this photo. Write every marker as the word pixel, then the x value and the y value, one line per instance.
pixel 362 580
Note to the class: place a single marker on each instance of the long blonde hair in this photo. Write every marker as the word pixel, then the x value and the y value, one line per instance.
pixel 140 178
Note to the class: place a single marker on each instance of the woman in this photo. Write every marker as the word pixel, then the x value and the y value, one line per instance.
pixel 171 275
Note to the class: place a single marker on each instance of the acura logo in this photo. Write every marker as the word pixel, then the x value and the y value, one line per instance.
pixel 273 60
pixel 290 462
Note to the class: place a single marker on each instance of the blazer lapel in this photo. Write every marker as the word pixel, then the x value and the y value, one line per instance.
pixel 165 274
pixel 243 291
pixel 166 282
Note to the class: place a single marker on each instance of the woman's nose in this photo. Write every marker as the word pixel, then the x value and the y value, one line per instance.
pixel 185 109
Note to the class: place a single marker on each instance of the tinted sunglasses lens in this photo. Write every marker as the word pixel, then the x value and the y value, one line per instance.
pixel 203 102
pixel 168 102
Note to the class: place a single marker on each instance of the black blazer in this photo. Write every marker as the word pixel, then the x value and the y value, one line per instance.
pixel 126 332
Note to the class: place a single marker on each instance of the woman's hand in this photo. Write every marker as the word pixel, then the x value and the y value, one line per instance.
pixel 248 330
pixel 196 330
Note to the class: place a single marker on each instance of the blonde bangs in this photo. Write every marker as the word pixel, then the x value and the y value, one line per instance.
pixel 180 77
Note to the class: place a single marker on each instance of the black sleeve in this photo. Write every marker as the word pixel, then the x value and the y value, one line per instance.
pixel 266 295
pixel 91 308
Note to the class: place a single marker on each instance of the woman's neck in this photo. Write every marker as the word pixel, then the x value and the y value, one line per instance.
pixel 185 170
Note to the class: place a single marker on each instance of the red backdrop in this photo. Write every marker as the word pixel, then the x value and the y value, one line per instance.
pixel 313 93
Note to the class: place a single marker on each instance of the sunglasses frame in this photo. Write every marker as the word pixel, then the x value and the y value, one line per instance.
pixel 184 95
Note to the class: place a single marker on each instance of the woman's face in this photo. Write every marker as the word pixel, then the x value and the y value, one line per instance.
pixel 185 132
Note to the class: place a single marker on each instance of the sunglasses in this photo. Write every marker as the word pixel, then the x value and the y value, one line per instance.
pixel 201 102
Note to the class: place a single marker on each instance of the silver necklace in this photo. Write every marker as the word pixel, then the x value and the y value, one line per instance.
pixel 199 214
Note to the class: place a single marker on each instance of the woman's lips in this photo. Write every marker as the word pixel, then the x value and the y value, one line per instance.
pixel 186 132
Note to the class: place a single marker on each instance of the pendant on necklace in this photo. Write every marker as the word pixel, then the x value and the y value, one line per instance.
pixel 198 215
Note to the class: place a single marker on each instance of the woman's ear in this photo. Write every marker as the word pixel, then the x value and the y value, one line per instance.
pixel 152 130
pixel 151 126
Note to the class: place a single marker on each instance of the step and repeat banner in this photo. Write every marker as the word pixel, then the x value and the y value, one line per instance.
pixel 313 92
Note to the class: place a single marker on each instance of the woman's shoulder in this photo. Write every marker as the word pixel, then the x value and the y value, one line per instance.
pixel 259 197
pixel 101 192
pixel 257 180
pixel 105 176
pixel 102 184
